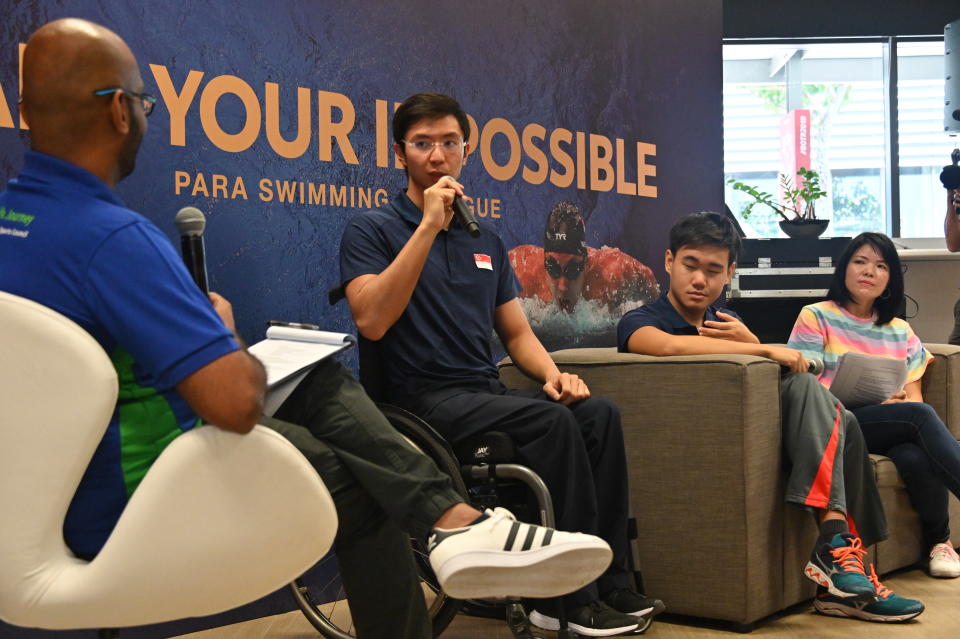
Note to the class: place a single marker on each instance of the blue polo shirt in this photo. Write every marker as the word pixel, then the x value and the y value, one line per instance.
pixel 661 314
pixel 68 242
pixel 444 333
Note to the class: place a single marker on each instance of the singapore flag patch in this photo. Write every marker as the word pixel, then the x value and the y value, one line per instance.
pixel 483 261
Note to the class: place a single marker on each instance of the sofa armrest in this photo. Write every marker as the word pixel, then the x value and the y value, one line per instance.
pixel 703 442
pixel 941 383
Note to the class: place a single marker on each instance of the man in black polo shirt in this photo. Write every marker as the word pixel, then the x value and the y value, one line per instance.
pixel 830 472
pixel 432 296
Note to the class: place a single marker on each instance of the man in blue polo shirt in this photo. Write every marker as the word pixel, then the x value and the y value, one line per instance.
pixel 67 241
pixel 85 255
pixel 432 296
pixel 830 472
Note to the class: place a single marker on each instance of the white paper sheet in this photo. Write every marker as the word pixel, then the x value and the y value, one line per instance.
pixel 287 351
pixel 863 380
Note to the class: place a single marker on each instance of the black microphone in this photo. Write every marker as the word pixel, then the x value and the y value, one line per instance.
pixel 190 224
pixel 465 217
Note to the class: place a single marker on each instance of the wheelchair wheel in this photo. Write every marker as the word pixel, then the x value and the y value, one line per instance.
pixel 332 620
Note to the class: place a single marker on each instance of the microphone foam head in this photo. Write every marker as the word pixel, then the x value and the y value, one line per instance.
pixel 190 221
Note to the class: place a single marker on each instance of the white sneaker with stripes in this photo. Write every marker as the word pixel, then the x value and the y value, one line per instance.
pixel 502 557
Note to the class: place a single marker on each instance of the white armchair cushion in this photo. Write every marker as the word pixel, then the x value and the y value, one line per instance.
pixel 219 520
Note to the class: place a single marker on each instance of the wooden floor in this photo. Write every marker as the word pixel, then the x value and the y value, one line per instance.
pixel 941 620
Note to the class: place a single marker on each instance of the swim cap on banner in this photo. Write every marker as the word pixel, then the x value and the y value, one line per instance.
pixel 565 232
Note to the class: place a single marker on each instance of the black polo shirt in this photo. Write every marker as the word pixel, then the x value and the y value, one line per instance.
pixel 661 314
pixel 444 333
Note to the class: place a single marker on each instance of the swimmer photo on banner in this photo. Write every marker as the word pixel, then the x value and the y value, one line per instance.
pixel 575 294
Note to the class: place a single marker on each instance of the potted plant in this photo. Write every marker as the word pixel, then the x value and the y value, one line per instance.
pixel 796 207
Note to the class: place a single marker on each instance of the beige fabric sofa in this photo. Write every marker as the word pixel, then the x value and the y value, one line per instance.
pixel 703 445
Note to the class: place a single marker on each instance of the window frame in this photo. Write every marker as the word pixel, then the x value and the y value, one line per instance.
pixel 890 76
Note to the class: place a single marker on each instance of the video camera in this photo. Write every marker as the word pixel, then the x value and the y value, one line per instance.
pixel 950 175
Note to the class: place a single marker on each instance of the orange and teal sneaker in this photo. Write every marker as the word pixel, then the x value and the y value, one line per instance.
pixel 888 607
pixel 838 567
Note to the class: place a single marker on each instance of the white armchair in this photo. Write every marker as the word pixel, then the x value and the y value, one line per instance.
pixel 219 520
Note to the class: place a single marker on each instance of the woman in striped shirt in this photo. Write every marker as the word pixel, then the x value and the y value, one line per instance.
pixel 859 316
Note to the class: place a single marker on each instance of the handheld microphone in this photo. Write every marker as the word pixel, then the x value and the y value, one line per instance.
pixel 465 217
pixel 814 365
pixel 190 224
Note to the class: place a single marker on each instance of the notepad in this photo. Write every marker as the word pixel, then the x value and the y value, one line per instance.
pixel 289 353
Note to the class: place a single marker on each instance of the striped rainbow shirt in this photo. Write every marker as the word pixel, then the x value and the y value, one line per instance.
pixel 827 331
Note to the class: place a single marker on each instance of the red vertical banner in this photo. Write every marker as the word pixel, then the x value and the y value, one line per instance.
pixel 795 143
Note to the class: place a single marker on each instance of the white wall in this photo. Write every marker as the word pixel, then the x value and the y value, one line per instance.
pixel 932 278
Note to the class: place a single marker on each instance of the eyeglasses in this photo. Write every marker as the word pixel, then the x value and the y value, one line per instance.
pixel 571 271
pixel 147 101
pixel 450 147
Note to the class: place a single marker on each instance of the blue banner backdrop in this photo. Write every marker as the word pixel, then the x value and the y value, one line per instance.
pixel 274 120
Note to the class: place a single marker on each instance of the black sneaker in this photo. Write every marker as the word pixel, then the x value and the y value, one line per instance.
pixel 643 608
pixel 596 619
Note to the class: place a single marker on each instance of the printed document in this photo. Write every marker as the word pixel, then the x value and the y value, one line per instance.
pixel 864 380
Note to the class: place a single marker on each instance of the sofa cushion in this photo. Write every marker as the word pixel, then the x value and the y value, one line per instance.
pixel 702 441
pixel 942 375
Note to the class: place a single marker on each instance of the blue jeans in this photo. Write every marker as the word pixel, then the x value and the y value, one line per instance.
pixel 926 455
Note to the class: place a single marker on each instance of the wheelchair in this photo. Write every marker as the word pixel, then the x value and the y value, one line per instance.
pixel 332 620
pixel 483 471
pixel 482 463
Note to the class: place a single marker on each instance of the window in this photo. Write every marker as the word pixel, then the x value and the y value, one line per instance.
pixel 924 147
pixel 823 105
